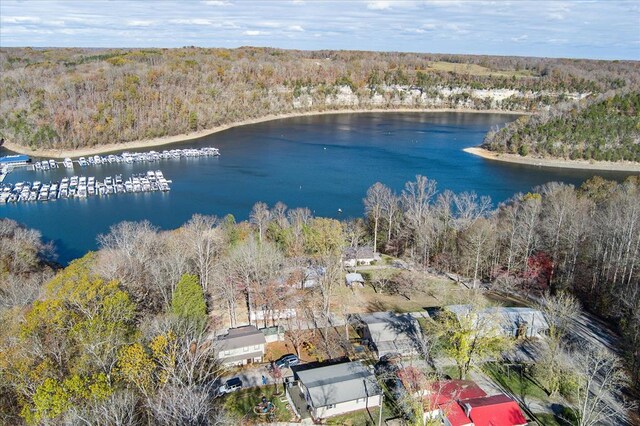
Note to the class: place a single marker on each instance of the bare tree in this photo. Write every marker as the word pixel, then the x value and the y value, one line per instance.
pixel 600 376
pixel 206 242
pixel 254 267
pixel 298 218
pixel 279 214
pixel 260 217
pixel 416 203
pixel 373 203
pixel 390 210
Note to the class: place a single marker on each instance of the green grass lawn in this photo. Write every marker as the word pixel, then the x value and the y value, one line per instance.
pixel 474 69
pixel 241 403
pixel 356 418
pixel 546 419
pixel 449 370
pixel 518 384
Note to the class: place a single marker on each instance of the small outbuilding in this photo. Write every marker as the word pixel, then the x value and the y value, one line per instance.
pixel 354 279
pixel 389 333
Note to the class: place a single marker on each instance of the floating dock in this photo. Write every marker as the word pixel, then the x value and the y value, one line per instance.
pixel 127 157
pixel 83 187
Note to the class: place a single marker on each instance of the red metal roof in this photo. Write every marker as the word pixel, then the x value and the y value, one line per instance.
pixel 496 410
pixel 445 391
pixel 455 414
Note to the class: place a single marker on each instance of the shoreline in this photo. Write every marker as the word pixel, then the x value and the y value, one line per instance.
pixel 555 163
pixel 167 140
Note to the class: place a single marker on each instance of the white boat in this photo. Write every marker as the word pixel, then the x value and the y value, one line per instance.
pixel 82 161
pixel 68 163
pixel 53 164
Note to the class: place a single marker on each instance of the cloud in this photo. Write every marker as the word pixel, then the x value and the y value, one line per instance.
pixel 140 23
pixel 255 33
pixel 556 16
pixel 194 21
pixel 216 3
pixel 20 19
pixel 297 28
pixel 520 38
pixel 379 5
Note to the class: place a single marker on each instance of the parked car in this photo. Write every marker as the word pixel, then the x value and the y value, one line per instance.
pixel 230 385
pixel 287 361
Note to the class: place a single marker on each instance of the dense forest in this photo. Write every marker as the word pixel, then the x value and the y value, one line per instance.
pixel 606 127
pixel 70 98
pixel 121 336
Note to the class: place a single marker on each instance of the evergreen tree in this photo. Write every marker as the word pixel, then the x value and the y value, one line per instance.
pixel 188 301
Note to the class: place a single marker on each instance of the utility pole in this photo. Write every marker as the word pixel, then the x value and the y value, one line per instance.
pixel 381 405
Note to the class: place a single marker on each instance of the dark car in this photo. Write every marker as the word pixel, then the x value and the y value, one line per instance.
pixel 287 361
pixel 230 385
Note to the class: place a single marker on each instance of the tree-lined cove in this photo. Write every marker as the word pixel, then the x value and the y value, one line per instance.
pixel 325 163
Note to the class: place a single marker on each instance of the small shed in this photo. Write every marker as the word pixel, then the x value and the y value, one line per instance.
pixel 273 334
pixel 354 278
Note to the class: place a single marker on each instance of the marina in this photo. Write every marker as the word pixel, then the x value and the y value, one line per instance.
pixel 126 158
pixel 83 187
pixel 287 161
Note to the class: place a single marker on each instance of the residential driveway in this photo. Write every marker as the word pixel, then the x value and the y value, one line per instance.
pixel 252 376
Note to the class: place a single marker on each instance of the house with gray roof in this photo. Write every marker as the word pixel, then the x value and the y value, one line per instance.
pixel 389 333
pixel 242 345
pixel 337 389
pixel 513 321
pixel 354 256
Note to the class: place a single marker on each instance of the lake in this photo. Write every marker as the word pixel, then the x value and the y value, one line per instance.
pixel 324 162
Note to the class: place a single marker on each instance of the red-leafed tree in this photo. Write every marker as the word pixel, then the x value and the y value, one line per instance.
pixel 538 272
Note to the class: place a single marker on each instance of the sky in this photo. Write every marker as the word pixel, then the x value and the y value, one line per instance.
pixel 604 29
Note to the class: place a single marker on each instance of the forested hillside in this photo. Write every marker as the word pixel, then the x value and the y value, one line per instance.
pixel 121 336
pixel 606 127
pixel 70 98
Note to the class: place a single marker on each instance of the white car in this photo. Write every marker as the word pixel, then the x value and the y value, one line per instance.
pixel 229 386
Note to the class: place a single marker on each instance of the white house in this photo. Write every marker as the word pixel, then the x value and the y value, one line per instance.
pixel 337 389
pixel 353 256
pixel 390 333
pixel 242 345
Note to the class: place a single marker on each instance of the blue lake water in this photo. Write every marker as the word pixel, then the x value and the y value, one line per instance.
pixel 324 162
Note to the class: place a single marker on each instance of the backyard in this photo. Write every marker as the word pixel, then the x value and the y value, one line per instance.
pixel 241 405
